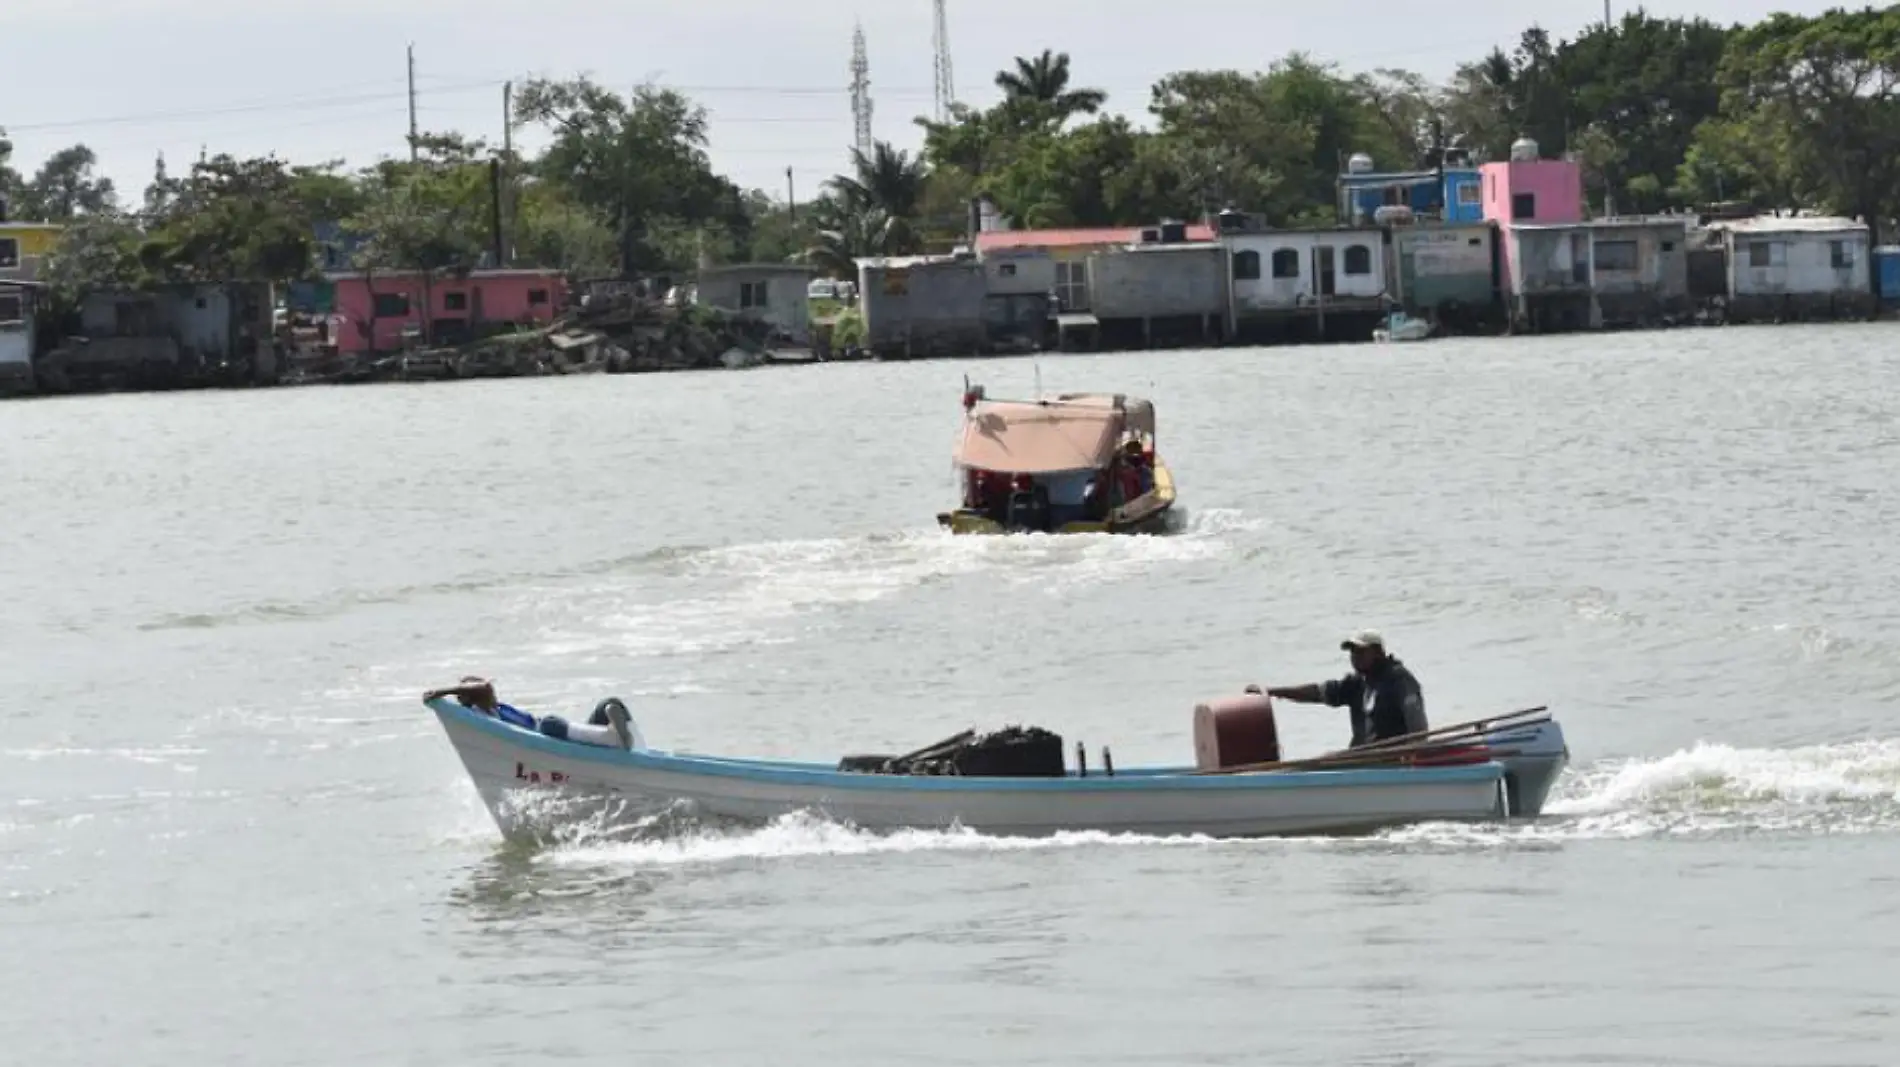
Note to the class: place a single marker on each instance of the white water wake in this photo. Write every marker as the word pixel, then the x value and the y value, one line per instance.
pixel 1709 790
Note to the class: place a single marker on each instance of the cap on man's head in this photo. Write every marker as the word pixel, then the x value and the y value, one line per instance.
pixel 1363 639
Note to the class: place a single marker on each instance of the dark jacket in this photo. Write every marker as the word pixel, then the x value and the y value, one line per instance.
pixel 1385 704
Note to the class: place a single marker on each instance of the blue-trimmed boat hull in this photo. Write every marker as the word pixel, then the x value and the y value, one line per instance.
pixel 531 784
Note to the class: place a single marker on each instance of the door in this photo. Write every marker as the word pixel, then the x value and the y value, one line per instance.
pixel 1323 271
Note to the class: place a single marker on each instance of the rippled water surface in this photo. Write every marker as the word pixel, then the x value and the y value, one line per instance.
pixel 229 834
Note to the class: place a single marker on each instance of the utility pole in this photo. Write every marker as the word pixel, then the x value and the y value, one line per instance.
pixel 791 197
pixel 505 202
pixel 1606 16
pixel 414 153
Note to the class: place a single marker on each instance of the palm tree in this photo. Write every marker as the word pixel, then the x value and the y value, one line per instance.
pixel 1044 80
pixel 887 179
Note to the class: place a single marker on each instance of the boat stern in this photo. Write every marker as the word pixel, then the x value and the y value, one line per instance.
pixel 1538 754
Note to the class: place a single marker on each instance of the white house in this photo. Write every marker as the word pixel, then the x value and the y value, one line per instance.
pixel 1796 266
pixel 1283 273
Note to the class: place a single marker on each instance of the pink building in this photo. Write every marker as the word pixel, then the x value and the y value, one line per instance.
pixel 1526 191
pixel 378 310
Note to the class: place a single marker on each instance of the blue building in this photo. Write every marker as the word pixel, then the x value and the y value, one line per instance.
pixel 1887 276
pixel 1451 193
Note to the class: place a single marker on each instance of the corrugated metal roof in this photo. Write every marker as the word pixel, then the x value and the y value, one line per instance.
pixel 1107 235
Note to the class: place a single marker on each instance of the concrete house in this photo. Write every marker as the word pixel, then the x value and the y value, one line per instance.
pixel 1447 272
pixel 384 311
pixel 1797 267
pixel 1021 282
pixel 1639 271
pixel 1069 249
pixel 172 335
pixel 1546 274
pixel 1298 278
pixel 778 293
pixel 923 305
pixel 1160 291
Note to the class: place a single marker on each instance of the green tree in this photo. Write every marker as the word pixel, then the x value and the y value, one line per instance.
pixel 232 220
pixel 639 160
pixel 1823 91
pixel 68 186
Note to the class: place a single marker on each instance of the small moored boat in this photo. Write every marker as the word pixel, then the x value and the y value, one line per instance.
pixel 1017 782
pixel 1080 463
pixel 1402 327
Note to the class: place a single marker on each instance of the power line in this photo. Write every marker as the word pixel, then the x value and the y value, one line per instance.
pixel 397 92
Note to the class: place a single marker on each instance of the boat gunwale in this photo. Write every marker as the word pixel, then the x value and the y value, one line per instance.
pixel 815 775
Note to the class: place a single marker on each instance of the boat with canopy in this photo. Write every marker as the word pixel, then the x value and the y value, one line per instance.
pixel 1078 463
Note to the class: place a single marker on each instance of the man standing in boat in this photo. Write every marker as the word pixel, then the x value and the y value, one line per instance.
pixel 1385 699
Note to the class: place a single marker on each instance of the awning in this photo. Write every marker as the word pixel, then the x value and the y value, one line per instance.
pixel 1016 437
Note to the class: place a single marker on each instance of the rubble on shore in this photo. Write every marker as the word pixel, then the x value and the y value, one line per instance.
pixel 619 334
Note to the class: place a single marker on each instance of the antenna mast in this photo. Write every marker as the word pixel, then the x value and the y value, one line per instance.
pixel 940 45
pixel 861 93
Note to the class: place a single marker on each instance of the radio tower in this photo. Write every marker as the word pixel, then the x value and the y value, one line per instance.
pixel 940 44
pixel 861 93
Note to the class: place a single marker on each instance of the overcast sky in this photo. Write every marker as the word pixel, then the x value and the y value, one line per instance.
pixel 312 82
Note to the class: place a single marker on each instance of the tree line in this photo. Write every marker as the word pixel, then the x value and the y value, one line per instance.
pixel 1793 111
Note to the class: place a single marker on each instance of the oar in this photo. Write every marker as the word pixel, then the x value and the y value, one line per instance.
pixel 1346 763
pixel 1478 727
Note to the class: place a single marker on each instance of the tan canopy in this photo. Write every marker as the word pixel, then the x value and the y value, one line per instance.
pixel 1018 437
pixel 1138 414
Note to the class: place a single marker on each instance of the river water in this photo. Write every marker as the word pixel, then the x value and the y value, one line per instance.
pixel 230 834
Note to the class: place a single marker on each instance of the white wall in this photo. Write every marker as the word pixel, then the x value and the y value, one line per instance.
pixel 1019 271
pixel 1270 293
pixel 1799 263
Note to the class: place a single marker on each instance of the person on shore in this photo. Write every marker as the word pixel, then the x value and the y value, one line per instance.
pixel 1386 701
pixel 610 726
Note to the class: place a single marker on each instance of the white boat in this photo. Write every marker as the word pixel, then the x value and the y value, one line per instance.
pixel 1402 327
pixel 513 767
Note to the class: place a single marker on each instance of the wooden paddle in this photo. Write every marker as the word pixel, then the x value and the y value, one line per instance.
pixel 1346 763
pixel 1477 726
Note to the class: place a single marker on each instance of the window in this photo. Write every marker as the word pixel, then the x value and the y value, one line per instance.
pixel 1767 254
pixel 1006 270
pixel 1286 263
pixel 9 252
pixel 1669 246
pixel 1475 242
pixel 455 301
pixel 199 303
pixel 752 295
pixel 12 308
pixel 1616 255
pixel 1840 255
pixel 1468 193
pixel 537 297
pixel 1072 286
pixel 388 305
pixel 1358 260
pixel 1523 206
pixel 1247 266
